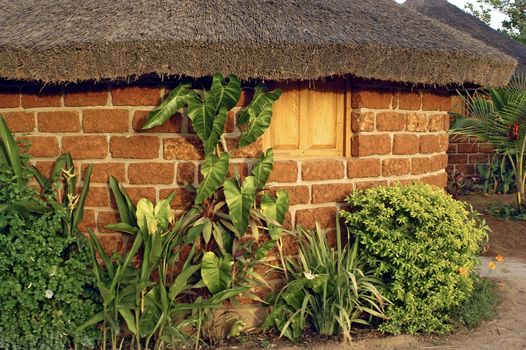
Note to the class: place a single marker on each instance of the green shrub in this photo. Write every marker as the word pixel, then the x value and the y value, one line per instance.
pixel 481 306
pixel 46 289
pixel 329 288
pixel 424 245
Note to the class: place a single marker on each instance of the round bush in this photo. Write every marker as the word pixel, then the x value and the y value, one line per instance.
pixel 424 245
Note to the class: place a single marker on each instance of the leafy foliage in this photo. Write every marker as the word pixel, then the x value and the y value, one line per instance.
pixel 329 288
pixel 514 11
pixel 46 290
pixel 424 246
pixel 497 117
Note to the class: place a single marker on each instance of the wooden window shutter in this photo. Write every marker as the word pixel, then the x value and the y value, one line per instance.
pixel 309 121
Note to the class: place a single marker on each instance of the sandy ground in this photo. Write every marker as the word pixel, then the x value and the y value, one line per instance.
pixel 506 332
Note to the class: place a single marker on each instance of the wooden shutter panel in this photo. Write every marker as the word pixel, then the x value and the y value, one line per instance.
pixel 308 121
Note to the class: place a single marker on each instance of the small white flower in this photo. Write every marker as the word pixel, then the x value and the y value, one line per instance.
pixel 309 275
pixel 49 293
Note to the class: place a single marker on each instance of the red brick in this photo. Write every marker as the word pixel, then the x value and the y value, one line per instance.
pixel 135 96
pixel 458 139
pixel 371 99
pixel 284 171
pixel 359 168
pixel 439 180
pixel 135 147
pixel 402 182
pixel 9 98
pixel 43 146
pixel 468 148
pixel 416 122
pixel 458 159
pixel 366 145
pixel 438 162
pixel 98 197
pixel 183 148
pixel 297 194
pixel 137 193
pixel 452 148
pixel 20 121
pixel 182 198
pixel 434 102
pixel 438 122
pixel 85 147
pixel 186 173
pixel 40 97
pixel 362 121
pixel 79 96
pixel 420 165
pixel 173 124
pixel 325 216
pixel 115 243
pixel 45 166
pixel 429 144
pixel 479 158
pixel 443 142
pixel 331 192
pixel 240 168
pixel 486 148
pixel 251 151
pixel 58 121
pixel 409 100
pixel 88 221
pixel 365 185
pixel 396 166
pixel 465 169
pixel 322 169
pixel 102 171
pixel 405 144
pixel 150 173
pixel 105 218
pixel 390 121
pixel 105 120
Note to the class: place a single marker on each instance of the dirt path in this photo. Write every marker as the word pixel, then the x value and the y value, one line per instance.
pixel 506 332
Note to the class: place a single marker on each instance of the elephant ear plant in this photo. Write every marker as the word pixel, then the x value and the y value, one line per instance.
pixel 166 288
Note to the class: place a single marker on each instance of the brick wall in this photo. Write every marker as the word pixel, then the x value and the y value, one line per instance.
pixel 465 153
pixel 396 137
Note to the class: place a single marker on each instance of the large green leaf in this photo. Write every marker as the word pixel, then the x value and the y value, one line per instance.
pixel 226 94
pixel 145 214
pixel 214 172
pixel 125 211
pixel 177 99
pixel 79 210
pixel 163 211
pixel 216 272
pixel 181 282
pixel 11 149
pixel 263 167
pixel 275 210
pixel 239 201
pixel 218 127
pixel 202 112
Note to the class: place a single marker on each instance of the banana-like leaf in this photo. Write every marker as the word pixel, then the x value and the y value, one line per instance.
pixel 78 214
pixel 122 204
pixel 145 216
pixel 216 272
pixel 97 248
pixel 263 167
pixel 275 210
pixel 177 99
pixel 11 149
pixel 163 211
pixel 226 94
pixel 99 317
pixel 239 201
pixel 41 179
pixel 220 297
pixel 122 227
pixel 129 319
pixel 214 172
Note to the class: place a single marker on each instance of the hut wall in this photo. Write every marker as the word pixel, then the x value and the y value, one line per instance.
pixel 395 136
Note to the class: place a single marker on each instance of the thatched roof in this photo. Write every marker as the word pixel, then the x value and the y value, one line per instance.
pixel 71 40
pixel 455 17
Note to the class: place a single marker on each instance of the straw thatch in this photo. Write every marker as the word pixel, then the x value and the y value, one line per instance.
pixel 456 18
pixel 70 40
